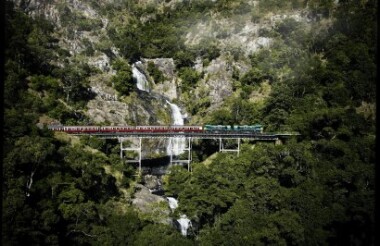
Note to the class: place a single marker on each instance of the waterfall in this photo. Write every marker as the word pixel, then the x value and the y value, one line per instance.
pixel 141 80
pixel 177 118
pixel 183 221
pixel 173 203
pixel 178 143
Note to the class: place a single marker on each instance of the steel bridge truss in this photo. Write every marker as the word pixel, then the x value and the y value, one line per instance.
pixel 186 151
pixel 132 149
pixel 175 147
pixel 222 147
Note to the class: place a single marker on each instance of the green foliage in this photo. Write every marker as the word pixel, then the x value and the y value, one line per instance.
pixel 199 106
pixel 222 117
pixel 93 142
pixel 122 81
pixel 317 189
pixel 252 77
pixel 242 226
pixel 256 16
pixel 117 227
pixel 52 191
pixel 189 77
pixel 159 234
pixel 157 38
pixel 208 49
pixel 29 48
pixel 239 111
pixel 41 82
pixel 156 73
pixel 89 49
pixel 184 58
pixel 176 181
pixel 287 26
pixel 75 83
pixel 272 5
pixel 73 19
pixel 321 7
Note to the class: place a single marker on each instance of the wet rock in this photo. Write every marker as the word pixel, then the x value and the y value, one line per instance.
pixel 152 182
pixel 150 206
pixel 168 87
pixel 143 198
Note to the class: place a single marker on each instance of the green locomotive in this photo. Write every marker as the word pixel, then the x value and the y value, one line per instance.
pixel 235 128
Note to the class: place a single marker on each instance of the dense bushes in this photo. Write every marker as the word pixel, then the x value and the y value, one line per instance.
pixel 156 74
pixel 315 189
pixel 122 81
pixel 318 189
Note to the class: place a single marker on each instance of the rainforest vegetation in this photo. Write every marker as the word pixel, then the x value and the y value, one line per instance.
pixel 316 189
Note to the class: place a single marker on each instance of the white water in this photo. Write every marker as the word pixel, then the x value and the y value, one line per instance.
pixel 178 143
pixel 183 221
pixel 141 80
pixel 143 85
pixel 173 203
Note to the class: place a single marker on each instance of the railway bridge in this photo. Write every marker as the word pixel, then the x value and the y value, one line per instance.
pixel 187 138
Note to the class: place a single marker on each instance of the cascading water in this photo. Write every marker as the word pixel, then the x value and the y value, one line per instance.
pixel 143 85
pixel 141 80
pixel 173 203
pixel 178 143
pixel 183 221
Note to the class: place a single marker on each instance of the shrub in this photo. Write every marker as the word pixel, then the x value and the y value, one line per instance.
pixel 156 74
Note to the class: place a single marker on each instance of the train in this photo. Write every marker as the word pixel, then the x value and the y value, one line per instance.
pixel 157 129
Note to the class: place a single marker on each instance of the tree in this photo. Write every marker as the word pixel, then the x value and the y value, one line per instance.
pixel 252 77
pixel 122 81
pixel 156 74
pixel 189 77
pixel 158 234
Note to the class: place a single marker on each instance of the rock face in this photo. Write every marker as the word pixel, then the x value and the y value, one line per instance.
pixel 140 108
pixel 101 61
pixel 152 206
pixel 152 182
pixel 236 37
pixel 137 111
pixel 72 38
pixel 168 87
pixel 143 199
pixel 218 80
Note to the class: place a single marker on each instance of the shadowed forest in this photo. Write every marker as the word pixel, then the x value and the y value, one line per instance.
pixel 314 189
